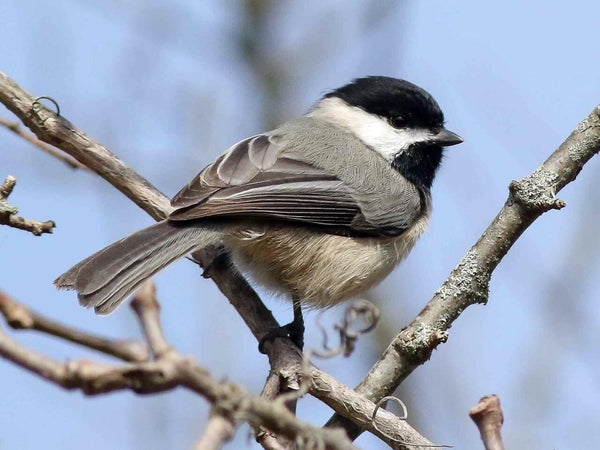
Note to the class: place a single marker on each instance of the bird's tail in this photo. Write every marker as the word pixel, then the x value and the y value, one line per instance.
pixel 106 278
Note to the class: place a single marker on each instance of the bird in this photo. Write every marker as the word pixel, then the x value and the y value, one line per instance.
pixel 320 209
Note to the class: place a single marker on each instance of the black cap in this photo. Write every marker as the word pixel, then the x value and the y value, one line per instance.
pixel 392 98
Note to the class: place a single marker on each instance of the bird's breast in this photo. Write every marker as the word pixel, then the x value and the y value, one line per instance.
pixel 319 269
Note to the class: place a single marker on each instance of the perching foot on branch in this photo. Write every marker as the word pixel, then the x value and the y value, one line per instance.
pixel 294 330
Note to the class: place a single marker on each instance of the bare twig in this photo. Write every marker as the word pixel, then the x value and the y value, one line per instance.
pixel 8 212
pixel 218 431
pixel 147 309
pixel 165 373
pixel 20 317
pixel 270 442
pixel 59 132
pixel 16 128
pixel 528 199
pixel 274 386
pixel 488 417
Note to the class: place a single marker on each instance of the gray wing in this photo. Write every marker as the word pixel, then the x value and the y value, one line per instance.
pixel 255 178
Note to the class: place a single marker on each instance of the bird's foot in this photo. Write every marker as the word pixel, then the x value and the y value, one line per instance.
pixel 293 331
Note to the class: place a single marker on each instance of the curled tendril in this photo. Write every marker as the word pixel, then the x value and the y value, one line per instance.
pixel 359 310
pixel 36 106
pixel 404 416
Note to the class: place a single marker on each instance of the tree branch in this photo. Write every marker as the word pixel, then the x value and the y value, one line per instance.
pixel 8 213
pixel 16 128
pixel 59 132
pixel 147 309
pixel 488 417
pixel 20 317
pixel 468 283
pixel 218 431
pixel 286 361
pixel 167 372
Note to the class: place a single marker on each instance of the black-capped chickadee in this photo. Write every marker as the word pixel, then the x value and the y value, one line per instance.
pixel 321 208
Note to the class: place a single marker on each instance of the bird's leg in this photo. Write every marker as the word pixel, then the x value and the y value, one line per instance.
pixel 294 330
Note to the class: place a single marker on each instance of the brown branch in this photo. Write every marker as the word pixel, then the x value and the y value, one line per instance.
pixel 147 309
pixel 16 128
pixel 59 132
pixel 8 212
pixel 167 372
pixel 468 283
pixel 286 361
pixel 281 352
pixel 487 415
pixel 269 441
pixel 218 431
pixel 20 317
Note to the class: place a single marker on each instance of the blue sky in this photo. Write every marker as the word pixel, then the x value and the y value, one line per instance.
pixel 168 86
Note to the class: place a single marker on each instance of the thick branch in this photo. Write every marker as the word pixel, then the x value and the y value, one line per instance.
pixel 468 283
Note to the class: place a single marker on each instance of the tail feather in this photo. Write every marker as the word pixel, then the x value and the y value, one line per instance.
pixel 106 278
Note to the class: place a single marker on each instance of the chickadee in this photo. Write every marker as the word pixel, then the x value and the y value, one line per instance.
pixel 321 208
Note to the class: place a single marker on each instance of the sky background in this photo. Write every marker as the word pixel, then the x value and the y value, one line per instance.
pixel 169 85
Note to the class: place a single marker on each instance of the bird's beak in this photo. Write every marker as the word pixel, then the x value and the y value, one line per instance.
pixel 446 138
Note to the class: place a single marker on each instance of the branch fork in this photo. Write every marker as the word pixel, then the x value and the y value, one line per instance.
pixel 8 212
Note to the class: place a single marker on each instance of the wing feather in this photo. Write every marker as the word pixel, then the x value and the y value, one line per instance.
pixel 259 177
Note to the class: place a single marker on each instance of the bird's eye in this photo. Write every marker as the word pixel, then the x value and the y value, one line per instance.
pixel 398 121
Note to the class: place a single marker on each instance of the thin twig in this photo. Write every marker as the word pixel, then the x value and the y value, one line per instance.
pixel 218 431
pixel 147 309
pixel 8 213
pixel 15 127
pixel 20 317
pixel 487 415
pixel 60 133
pixel 166 373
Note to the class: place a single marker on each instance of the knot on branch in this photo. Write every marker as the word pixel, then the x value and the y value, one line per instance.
pixel 535 192
pixel 17 316
pixel 146 380
pixel 417 342
pixel 85 374
pixel 468 282
pixel 143 378
pixel 291 376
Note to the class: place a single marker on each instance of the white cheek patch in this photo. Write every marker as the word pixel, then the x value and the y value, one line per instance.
pixel 373 130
